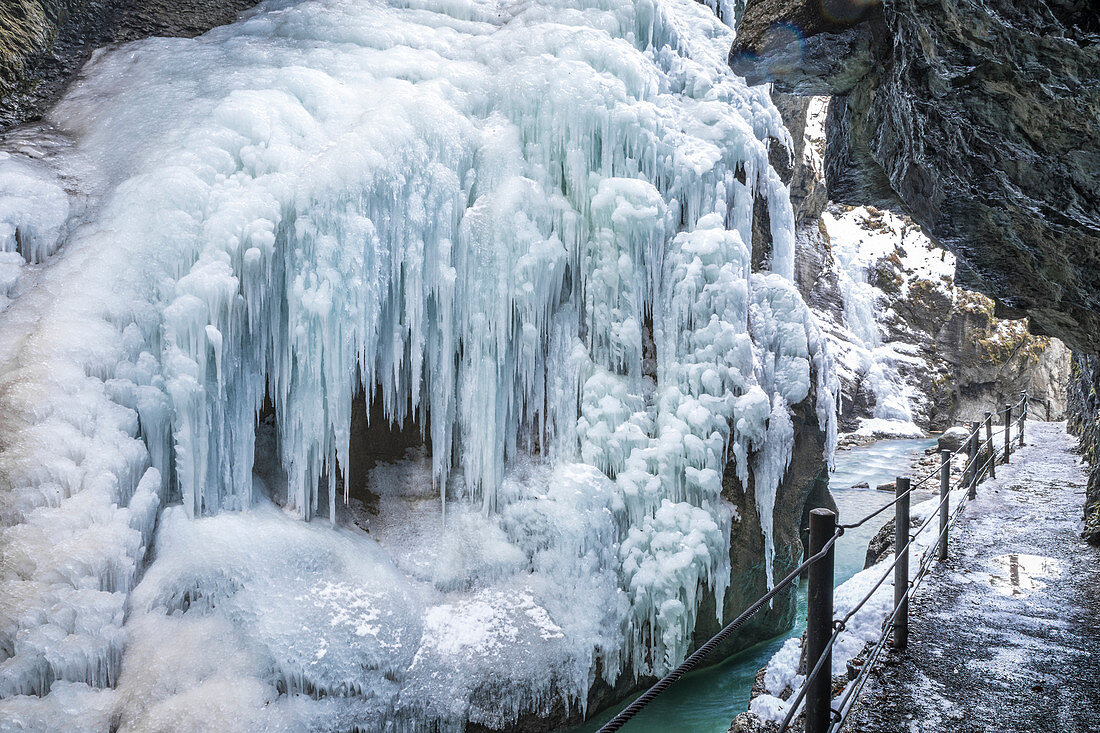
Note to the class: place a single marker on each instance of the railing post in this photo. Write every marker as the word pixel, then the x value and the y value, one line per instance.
pixel 819 621
pixel 989 443
pixel 1008 432
pixel 973 455
pixel 901 567
pixel 1023 416
pixel 945 509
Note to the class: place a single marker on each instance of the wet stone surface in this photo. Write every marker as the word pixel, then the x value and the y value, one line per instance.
pixel 1005 635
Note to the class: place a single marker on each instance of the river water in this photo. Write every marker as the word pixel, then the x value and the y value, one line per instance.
pixel 708 700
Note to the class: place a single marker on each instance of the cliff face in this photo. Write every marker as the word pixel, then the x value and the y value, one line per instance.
pixel 44 42
pixel 980 119
pixel 916 351
pixel 1084 398
pixel 957 357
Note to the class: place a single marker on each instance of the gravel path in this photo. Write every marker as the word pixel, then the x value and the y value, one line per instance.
pixel 1005 635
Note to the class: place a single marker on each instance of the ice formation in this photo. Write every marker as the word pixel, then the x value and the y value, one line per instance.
pixel 524 226
pixel 861 350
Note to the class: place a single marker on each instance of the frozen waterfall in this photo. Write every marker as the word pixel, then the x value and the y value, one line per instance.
pixel 521 227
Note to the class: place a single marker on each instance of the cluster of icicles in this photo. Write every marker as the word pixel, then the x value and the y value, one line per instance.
pixel 524 225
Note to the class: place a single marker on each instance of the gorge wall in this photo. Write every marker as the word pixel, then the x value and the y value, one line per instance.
pixel 981 121
pixel 1084 399
pixel 915 351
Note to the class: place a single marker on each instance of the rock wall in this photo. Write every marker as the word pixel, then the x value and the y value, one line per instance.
pixel 979 118
pixel 1084 409
pixel 970 361
pixel 44 42
pixel 949 349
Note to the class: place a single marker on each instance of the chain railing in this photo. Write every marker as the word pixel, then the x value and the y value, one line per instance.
pixel 982 457
pixel 822 629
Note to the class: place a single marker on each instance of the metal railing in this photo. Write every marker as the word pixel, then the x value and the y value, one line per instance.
pixel 822 629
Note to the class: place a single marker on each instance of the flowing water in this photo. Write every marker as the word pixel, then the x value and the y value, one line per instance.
pixel 708 700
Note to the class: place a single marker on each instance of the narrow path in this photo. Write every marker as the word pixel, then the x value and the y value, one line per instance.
pixel 1004 635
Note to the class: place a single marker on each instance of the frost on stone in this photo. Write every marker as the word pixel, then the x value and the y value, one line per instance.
pixel 521 228
pixel 859 241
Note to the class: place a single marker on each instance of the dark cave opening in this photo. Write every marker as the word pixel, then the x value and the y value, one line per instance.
pixel 374 439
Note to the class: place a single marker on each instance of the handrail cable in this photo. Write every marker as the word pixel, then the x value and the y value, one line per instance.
pixel 922 570
pixel 912 488
pixel 852 692
pixel 840 624
pixel 702 652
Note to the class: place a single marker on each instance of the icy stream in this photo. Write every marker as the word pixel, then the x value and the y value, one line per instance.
pixel 519 228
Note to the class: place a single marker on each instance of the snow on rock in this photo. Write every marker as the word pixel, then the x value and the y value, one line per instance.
pixel 914 349
pixel 867 356
pixel 857 247
pixel 517 225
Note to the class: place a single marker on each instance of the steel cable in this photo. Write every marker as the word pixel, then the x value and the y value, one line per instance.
pixel 852 691
pixel 706 649
pixel 702 652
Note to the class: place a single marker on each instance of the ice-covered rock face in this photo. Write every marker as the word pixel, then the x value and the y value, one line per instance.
pixel 502 219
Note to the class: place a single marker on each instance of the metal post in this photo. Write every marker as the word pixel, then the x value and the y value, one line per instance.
pixel 945 508
pixel 1023 416
pixel 819 622
pixel 973 453
pixel 989 444
pixel 1008 432
pixel 901 568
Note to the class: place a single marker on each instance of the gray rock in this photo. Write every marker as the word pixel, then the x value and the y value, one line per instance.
pixel 1085 422
pixel 807 189
pixel 44 42
pixel 751 723
pixel 882 544
pixel 970 360
pixel 980 118
pixel 952 439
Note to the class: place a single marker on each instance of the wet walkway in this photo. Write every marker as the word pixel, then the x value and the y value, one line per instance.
pixel 1004 635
